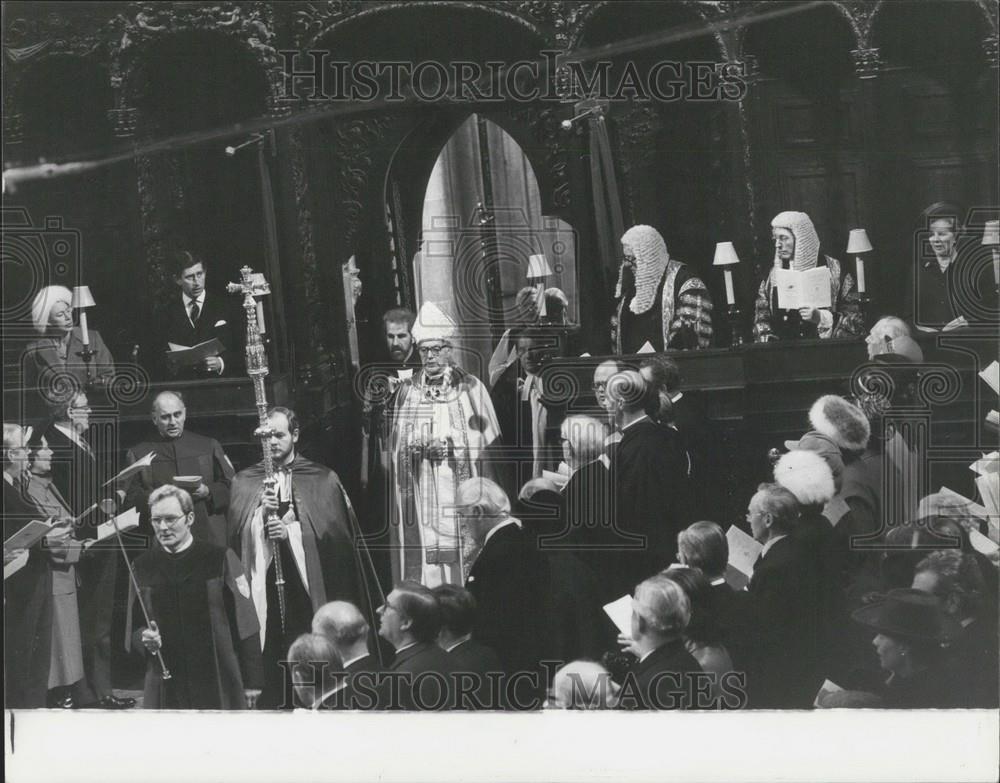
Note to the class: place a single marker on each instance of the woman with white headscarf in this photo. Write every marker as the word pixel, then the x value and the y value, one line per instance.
pixel 797 247
pixel 58 350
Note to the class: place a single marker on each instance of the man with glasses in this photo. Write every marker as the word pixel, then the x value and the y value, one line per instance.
pixel 410 620
pixel 203 622
pixel 442 426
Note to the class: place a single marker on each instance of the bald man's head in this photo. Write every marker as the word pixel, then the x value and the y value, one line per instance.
pixel 342 623
pixel 169 414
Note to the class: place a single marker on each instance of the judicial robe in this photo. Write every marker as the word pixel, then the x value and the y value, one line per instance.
pixel 200 601
pixel 27 615
pixel 188 455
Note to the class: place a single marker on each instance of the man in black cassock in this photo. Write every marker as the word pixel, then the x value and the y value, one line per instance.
pixel 202 619
pixel 314 536
pixel 652 493
pixel 179 452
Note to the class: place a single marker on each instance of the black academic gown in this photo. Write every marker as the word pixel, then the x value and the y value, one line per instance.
pixel 478 667
pixel 335 568
pixel 652 498
pixel 364 687
pixel 787 604
pixel 424 680
pixel 664 680
pixel 507 580
pixel 27 615
pixel 200 601
pixel 188 455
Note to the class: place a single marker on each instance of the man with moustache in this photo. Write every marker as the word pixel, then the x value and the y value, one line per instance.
pixel 179 452
pixel 203 622
pixel 313 535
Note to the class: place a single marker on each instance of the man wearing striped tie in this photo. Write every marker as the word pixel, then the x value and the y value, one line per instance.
pixel 198 316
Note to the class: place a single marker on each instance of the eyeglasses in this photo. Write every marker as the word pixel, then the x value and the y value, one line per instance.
pixel 600 385
pixel 167 521
pixel 432 350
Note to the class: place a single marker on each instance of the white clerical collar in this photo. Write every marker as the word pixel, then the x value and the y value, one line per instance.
pixel 355 659
pixel 719 581
pixel 73 435
pixel 770 543
pixel 677 397
pixel 327 694
pixel 636 421
pixel 182 548
pixel 405 647
pixel 461 640
pixel 506 523
pixel 200 299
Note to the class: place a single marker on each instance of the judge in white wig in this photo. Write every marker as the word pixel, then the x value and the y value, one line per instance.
pixel 58 351
pixel 660 299
pixel 443 426
pixel 797 248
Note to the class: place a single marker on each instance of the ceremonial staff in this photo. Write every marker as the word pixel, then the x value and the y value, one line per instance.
pixel 255 285
pixel 108 506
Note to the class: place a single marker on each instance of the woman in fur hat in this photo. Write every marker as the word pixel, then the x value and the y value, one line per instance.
pixel 797 247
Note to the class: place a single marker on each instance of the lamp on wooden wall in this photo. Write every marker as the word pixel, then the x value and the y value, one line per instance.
pixel 991 238
pixel 538 270
pixel 725 256
pixel 857 245
pixel 82 299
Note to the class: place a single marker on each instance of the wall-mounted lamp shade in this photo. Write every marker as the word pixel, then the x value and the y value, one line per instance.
pixel 82 297
pixel 991 233
pixel 858 242
pixel 538 267
pixel 725 254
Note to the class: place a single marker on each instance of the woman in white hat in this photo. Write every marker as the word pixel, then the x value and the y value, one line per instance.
pixel 59 348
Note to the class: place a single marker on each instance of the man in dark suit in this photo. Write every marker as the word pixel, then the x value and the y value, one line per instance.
pixel 196 317
pixel 422 679
pixel 79 472
pixel 344 625
pixel 651 484
pixel 477 664
pixel 786 607
pixel 703 545
pixel 179 452
pixel 508 581
pixel 666 676
pixel 317 673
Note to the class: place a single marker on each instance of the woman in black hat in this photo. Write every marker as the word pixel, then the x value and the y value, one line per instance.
pixel 911 627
